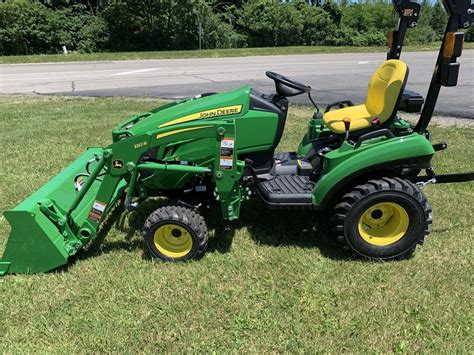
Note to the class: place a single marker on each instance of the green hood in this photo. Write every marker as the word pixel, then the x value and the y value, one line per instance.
pixel 232 103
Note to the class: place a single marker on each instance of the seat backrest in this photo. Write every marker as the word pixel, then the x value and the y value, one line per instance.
pixel 385 89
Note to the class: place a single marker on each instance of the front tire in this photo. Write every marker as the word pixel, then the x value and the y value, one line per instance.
pixel 383 219
pixel 175 233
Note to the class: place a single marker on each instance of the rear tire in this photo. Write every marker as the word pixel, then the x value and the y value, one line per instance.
pixel 383 219
pixel 175 233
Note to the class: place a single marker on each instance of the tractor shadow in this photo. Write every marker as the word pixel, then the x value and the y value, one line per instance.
pixel 276 228
pixel 129 224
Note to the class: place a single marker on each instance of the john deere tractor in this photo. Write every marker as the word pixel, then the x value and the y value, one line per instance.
pixel 362 164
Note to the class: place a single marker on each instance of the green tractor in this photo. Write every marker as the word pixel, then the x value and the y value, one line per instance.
pixel 362 164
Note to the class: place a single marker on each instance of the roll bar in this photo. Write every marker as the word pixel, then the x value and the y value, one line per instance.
pixel 408 11
pixel 446 71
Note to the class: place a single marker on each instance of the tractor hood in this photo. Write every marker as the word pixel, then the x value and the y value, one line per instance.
pixel 208 107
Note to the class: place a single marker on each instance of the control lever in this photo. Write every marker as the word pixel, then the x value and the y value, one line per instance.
pixel 347 126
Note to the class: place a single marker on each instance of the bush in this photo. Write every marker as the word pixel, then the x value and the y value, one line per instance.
pixel 220 34
pixel 93 36
pixel 78 29
pixel 28 27
pixel 437 20
pixel 365 18
pixel 318 27
pixel 469 35
pixel 43 26
pixel 268 23
pixel 421 35
pixel 25 28
pixel 166 25
pixel 129 29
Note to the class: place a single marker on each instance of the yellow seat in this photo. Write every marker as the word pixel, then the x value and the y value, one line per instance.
pixel 385 89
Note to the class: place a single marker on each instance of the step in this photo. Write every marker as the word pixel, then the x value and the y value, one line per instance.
pixel 286 191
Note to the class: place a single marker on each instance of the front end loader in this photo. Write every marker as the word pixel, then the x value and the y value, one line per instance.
pixel 362 164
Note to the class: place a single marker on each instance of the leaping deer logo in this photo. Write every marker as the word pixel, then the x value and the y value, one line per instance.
pixel 117 164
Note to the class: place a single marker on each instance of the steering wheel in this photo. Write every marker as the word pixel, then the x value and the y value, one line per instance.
pixel 287 87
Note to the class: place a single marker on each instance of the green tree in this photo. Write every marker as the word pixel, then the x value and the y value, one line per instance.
pixel 78 29
pixel 268 23
pixel 43 26
pixel 334 11
pixel 138 24
pixel 438 20
pixel 93 36
pixel 369 17
pixel 166 24
pixel 469 36
pixel 25 28
pixel 421 35
pixel 318 26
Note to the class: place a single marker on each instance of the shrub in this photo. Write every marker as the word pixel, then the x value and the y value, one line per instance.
pixel 43 26
pixel 25 28
pixel 421 34
pixel 268 23
pixel 220 34
pixel 469 36
pixel 318 27
pixel 29 27
pixel 93 36
pixel 166 24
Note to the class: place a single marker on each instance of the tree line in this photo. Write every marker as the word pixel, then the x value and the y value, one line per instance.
pixel 44 26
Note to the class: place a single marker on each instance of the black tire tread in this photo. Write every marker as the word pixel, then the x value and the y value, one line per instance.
pixel 349 199
pixel 184 215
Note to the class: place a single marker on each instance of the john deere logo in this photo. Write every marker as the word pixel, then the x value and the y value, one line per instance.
pixel 117 164
pixel 218 112
pixel 223 111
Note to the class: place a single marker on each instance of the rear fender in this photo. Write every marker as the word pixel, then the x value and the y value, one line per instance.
pixel 344 165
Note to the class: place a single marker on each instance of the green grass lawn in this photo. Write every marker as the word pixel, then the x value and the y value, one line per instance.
pixel 272 281
pixel 208 53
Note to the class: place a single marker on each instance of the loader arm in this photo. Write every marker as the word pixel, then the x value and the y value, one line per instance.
pixel 56 221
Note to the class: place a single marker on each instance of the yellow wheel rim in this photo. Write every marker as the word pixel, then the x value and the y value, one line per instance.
pixel 173 240
pixel 383 224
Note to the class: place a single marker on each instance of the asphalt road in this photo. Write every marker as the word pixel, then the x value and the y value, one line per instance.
pixel 333 77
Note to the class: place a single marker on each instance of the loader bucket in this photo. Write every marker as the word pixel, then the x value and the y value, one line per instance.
pixel 36 244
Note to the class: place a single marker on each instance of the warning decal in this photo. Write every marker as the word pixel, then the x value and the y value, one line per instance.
pixel 226 163
pixel 80 181
pixel 227 154
pixel 97 210
pixel 227 143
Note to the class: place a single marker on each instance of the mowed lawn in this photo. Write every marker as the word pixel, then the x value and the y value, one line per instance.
pixel 272 281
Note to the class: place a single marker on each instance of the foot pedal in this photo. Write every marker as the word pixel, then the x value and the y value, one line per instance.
pixel 287 192
pixel 304 167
